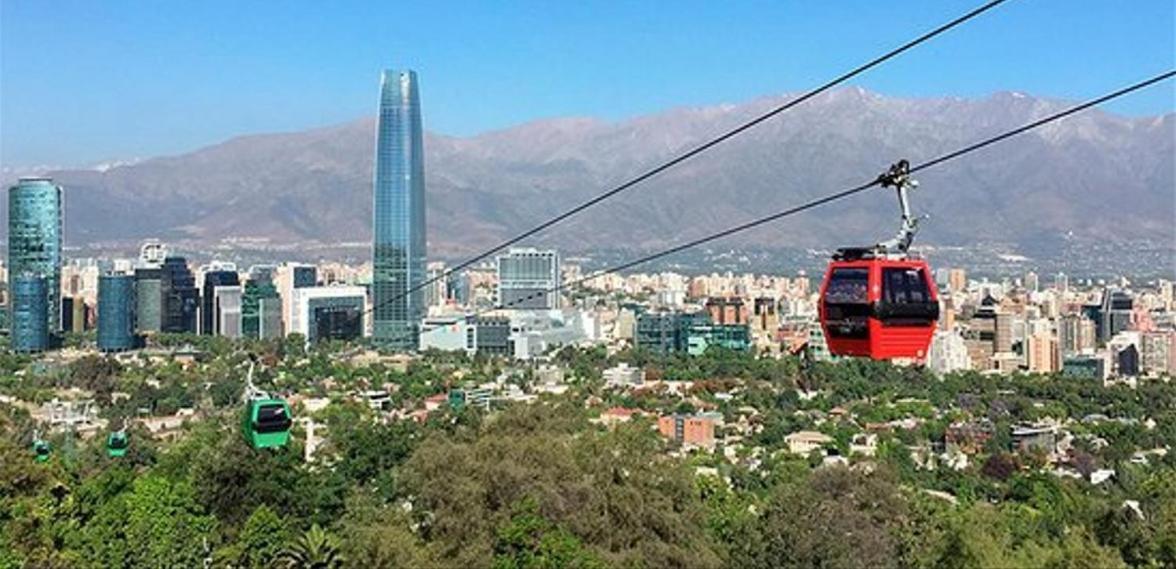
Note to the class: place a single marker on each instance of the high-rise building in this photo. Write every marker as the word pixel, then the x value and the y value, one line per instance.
pixel 957 280
pixel 148 299
pixel 1076 334
pixel 116 313
pixel 217 276
pixel 727 310
pixel 261 310
pixel 1115 313
pixel 398 248
pixel 527 278
pixel 1158 356
pixel 288 277
pixel 1032 281
pixel 437 293
pixel 34 241
pixel 225 309
pixel 328 312
pixel 181 300
pixel 30 308
pixel 76 314
pixel 1042 354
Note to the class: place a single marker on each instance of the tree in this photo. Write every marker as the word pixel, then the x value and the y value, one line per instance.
pixel 835 519
pixel 163 525
pixel 378 535
pixel 314 549
pixel 260 541
pixel 530 541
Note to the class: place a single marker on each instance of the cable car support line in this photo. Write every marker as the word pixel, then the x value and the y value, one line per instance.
pixel 883 179
pixel 697 150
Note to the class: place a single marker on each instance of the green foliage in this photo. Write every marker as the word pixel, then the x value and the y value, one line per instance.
pixel 531 541
pixel 315 549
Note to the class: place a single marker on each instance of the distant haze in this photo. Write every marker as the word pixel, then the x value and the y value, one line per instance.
pixel 1095 176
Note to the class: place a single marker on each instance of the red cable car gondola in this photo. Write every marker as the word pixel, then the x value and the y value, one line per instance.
pixel 880 302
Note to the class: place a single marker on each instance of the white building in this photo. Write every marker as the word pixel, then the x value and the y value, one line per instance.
pixel 528 279
pixel 226 306
pixel 448 334
pixel 948 353
pixel 334 310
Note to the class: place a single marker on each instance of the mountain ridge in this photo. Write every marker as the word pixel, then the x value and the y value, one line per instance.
pixel 1095 176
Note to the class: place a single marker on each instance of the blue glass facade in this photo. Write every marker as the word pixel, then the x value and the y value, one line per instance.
pixel 116 313
pixel 30 323
pixel 34 240
pixel 398 224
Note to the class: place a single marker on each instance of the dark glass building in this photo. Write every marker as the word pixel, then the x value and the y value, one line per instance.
pixel 180 298
pixel 335 318
pixel 492 335
pixel 30 306
pixel 213 279
pixel 34 240
pixel 116 313
pixel 398 247
pixel 305 275
pixel 665 332
pixel 148 299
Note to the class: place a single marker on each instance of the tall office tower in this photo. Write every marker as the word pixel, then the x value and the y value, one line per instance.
pixel 116 313
pixel 148 299
pixel 181 300
pixel 261 310
pixel 1032 281
pixel 957 280
pixel 34 241
pixel 226 311
pixel 438 292
pixel 398 248
pixel 288 277
pixel 1061 282
pixel 1114 313
pixel 30 309
pixel 526 278
pixel 215 277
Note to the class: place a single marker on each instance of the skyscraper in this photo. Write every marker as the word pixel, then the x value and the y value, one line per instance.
pixel 398 225
pixel 116 313
pixel 261 310
pixel 30 323
pixel 34 241
pixel 181 300
pixel 526 279
pixel 216 277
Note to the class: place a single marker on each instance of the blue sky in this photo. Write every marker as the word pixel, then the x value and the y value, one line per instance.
pixel 87 81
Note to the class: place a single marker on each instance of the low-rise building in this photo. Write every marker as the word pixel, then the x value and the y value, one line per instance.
pixel 805 442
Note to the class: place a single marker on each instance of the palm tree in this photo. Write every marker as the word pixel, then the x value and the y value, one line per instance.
pixel 315 549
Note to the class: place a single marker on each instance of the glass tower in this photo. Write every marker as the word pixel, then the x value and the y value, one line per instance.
pixel 181 299
pixel 30 332
pixel 116 313
pixel 398 225
pixel 34 240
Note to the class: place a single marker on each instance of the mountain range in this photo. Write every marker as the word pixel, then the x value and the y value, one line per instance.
pixel 1095 176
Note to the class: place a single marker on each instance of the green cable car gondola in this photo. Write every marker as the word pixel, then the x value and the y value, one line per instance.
pixel 267 419
pixel 267 422
pixel 41 450
pixel 117 444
